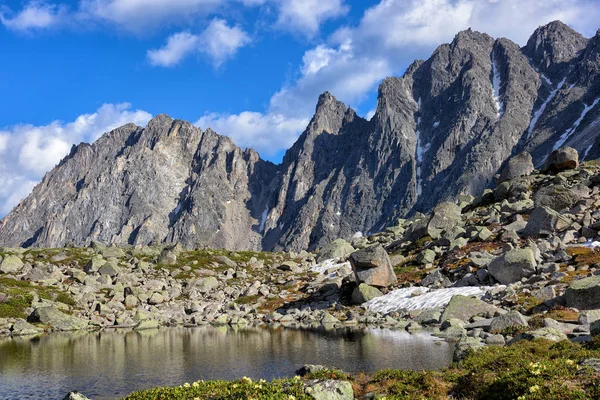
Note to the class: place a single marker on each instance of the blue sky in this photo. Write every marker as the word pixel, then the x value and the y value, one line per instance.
pixel 250 69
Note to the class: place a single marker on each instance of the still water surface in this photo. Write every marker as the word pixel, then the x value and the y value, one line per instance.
pixel 110 365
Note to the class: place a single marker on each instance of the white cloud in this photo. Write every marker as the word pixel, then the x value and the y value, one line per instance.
pixel 219 41
pixel 178 46
pixel 306 16
pixel 266 134
pixel 29 151
pixel 35 15
pixel 138 15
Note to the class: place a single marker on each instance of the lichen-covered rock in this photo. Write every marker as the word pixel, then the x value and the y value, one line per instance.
pixel 545 221
pixel 464 308
pixel 57 319
pixel 339 248
pixel 445 216
pixel 517 166
pixel 329 390
pixel 363 293
pixel 584 294
pixel 546 333
pixel 513 265
pixel 372 266
pixel 508 320
pixel 11 264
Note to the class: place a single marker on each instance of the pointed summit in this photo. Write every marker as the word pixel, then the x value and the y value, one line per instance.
pixel 552 47
pixel 329 114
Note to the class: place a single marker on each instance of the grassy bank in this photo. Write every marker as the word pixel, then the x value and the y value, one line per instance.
pixel 527 370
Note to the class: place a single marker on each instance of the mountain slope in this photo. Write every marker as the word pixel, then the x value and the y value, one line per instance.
pixel 443 129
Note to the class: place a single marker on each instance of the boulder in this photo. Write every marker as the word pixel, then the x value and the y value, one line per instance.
pixel 465 345
pixel 544 221
pixel 329 390
pixel 23 328
pixel 445 216
pixel 339 248
pixel 519 165
pixel 205 285
pixel 372 266
pixel 75 395
pixel 557 197
pixel 464 308
pixel 547 333
pixel 169 255
pixel 584 294
pixel 11 264
pixel 513 265
pixel 511 318
pixel 94 264
pixel 57 319
pixel 561 160
pixel 426 257
pixel 364 293
pixel 110 268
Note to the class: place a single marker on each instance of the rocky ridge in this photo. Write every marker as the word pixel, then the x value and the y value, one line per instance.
pixel 443 129
pixel 520 261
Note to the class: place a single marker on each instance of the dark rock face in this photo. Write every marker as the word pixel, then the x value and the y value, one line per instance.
pixel 444 129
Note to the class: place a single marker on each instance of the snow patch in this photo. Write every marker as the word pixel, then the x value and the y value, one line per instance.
pixel 410 299
pixel 263 219
pixel 436 124
pixel 548 81
pixel 572 129
pixel 542 108
pixel 338 213
pixel 228 201
pixel 585 154
pixel 329 267
pixel 358 234
pixel 496 83
pixel 592 244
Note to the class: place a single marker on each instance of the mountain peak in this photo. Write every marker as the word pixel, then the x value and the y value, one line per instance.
pixel 552 46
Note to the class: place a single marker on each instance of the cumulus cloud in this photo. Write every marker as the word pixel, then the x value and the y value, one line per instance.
pixel 306 16
pixel 29 151
pixel 219 41
pixel 35 15
pixel 178 46
pixel 265 133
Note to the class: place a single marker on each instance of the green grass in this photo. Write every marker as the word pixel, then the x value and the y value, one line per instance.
pixel 220 390
pixel 535 370
pixel 21 294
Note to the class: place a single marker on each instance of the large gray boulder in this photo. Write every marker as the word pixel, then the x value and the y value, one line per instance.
pixel 561 159
pixel 11 264
pixel 372 266
pixel 339 248
pixel 363 293
pixel 57 319
pixel 464 308
pixel 513 265
pixel 556 197
pixel 445 216
pixel 329 390
pixel 510 319
pixel 584 294
pixel 545 221
pixel 517 166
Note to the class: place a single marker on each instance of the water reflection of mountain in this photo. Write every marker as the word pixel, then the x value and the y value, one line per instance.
pixel 109 363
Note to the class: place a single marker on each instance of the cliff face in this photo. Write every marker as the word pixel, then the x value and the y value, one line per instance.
pixel 443 129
